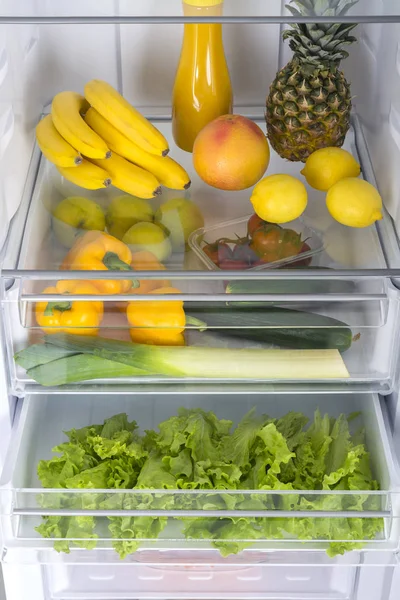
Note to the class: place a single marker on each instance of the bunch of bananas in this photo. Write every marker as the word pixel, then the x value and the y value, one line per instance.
pixel 101 139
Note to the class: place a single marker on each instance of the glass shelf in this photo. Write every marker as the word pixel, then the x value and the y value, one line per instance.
pixel 147 11
pixel 33 251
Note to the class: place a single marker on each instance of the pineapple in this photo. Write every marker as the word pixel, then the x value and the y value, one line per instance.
pixel 309 104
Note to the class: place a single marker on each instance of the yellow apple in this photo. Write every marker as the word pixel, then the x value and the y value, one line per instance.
pixel 180 217
pixel 125 211
pixel 74 215
pixel 151 237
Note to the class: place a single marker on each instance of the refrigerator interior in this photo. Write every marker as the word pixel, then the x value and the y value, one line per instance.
pixel 37 60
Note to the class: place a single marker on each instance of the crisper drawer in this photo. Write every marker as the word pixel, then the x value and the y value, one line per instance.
pixel 164 575
pixel 202 473
pixel 345 335
pixel 173 565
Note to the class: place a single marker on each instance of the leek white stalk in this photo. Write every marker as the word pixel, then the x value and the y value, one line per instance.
pixel 211 363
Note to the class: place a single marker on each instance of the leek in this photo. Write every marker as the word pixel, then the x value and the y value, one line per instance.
pixel 40 354
pixel 211 363
pixel 80 367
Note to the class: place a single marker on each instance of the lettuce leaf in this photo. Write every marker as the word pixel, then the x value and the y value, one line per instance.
pixel 194 450
pixel 238 446
pixel 108 456
pixel 154 475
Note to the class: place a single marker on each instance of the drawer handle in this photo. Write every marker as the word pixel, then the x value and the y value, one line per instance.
pixel 150 577
pixel 267 275
pixel 209 297
pixel 274 514
pixel 95 577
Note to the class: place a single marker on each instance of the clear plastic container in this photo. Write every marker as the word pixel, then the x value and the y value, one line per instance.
pixel 45 417
pixel 238 228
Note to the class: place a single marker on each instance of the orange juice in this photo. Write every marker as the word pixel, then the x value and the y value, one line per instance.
pixel 202 90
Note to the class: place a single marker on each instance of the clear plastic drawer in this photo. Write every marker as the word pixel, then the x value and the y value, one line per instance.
pixel 227 521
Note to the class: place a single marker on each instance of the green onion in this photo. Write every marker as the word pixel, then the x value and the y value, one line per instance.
pixel 211 363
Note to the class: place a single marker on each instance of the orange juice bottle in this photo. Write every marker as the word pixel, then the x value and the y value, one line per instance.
pixel 202 90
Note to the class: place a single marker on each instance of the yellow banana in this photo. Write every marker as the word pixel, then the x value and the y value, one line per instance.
pixel 66 110
pixel 54 147
pixel 87 175
pixel 168 172
pixel 130 178
pixel 113 107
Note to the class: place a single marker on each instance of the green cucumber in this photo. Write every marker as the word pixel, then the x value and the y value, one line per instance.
pixel 279 326
pixel 289 286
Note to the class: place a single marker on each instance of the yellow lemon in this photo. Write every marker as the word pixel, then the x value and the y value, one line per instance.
pixel 327 166
pixel 354 202
pixel 279 198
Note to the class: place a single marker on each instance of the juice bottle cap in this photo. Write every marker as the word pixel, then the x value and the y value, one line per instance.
pixel 203 2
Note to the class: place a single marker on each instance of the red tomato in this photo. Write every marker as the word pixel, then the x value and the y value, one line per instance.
pixel 267 240
pixel 266 259
pixel 211 250
pixel 254 223
pixel 261 261
pixel 305 262
pixel 275 243
pixel 291 243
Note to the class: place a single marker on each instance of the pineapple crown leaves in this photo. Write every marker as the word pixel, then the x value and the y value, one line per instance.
pixel 321 8
pixel 320 45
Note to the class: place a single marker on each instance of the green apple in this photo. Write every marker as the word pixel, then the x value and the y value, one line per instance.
pixel 151 237
pixel 125 211
pixel 74 215
pixel 180 217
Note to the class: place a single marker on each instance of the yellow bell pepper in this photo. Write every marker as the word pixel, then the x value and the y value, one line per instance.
pixel 99 251
pixel 70 286
pixel 156 322
pixel 65 316
pixel 146 261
